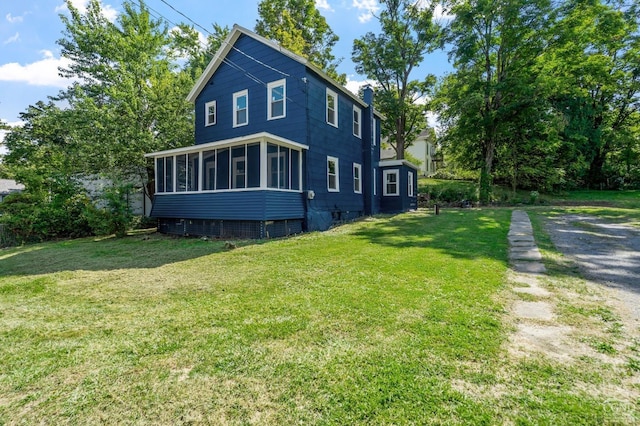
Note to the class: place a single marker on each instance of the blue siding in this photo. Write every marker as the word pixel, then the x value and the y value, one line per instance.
pixel 327 140
pixel 235 75
pixel 402 202
pixel 241 205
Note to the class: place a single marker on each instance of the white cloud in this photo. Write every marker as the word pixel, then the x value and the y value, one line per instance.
pixel 368 9
pixel 354 85
pixel 324 5
pixel 439 12
pixel 14 19
pixel 12 39
pixel 107 10
pixel 40 73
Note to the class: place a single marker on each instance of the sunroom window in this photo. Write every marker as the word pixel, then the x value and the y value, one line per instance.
pixel 390 182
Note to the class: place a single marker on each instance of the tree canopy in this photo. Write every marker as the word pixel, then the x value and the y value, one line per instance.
pixel 408 32
pixel 299 27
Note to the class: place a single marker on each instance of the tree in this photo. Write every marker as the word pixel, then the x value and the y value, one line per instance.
pixel 299 27
pixel 408 33
pixel 495 49
pixel 595 62
pixel 131 94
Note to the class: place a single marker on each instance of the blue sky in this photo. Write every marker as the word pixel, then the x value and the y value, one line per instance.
pixel 29 29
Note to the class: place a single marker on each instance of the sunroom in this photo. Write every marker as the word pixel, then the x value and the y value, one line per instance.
pixel 249 186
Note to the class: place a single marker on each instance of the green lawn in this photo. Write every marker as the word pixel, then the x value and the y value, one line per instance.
pixel 389 320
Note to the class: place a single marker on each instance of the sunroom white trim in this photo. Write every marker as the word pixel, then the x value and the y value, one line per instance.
pixel 256 137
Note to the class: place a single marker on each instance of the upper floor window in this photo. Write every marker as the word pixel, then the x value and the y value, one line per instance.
pixel 390 182
pixel 241 108
pixel 357 178
pixel 210 113
pixel 357 122
pixel 277 93
pixel 333 175
pixel 332 108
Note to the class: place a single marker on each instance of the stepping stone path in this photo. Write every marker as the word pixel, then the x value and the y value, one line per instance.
pixel 536 329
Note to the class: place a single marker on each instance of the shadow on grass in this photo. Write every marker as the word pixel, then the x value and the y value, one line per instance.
pixel 106 253
pixel 463 233
pixel 468 233
pixel 593 247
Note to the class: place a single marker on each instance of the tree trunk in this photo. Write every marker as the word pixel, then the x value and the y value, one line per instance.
pixel 485 172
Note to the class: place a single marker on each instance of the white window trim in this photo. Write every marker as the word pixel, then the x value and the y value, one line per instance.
pixel 270 87
pixel 334 95
pixel 359 111
pixel 206 113
pixel 374 133
pixel 235 110
pixel 357 167
pixel 375 181
pixel 410 184
pixel 337 188
pixel 386 173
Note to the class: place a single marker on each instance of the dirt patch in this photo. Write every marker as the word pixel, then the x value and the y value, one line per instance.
pixel 607 254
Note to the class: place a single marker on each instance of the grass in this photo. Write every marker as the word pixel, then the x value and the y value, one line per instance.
pixel 389 320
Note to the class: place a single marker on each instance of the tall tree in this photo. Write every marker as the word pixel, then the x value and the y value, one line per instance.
pixel 408 32
pixel 130 95
pixel 496 44
pixel 299 27
pixel 595 62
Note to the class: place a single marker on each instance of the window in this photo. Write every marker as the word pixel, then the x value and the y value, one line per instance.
pixel 168 174
pixel 210 113
pixel 278 161
pixel 192 171
pixel 332 108
pixel 357 178
pixel 241 108
pixel 209 170
pixel 238 167
pixel 390 182
pixel 410 184
pixel 181 172
pixel 276 108
pixel 160 174
pixel 357 122
pixel 333 175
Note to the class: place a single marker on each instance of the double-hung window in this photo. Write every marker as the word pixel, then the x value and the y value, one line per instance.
pixel 332 108
pixel 241 108
pixel 277 94
pixel 357 178
pixel 357 122
pixel 333 175
pixel 390 182
pixel 210 113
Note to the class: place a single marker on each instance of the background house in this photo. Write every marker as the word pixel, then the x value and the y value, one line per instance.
pixel 424 149
pixel 8 186
pixel 280 148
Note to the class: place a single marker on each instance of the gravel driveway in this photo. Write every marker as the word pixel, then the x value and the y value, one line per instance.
pixel 606 253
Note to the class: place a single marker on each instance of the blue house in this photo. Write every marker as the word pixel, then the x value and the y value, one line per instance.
pixel 280 148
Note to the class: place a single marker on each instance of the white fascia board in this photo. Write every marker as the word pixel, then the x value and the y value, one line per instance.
pixel 392 163
pixel 256 137
pixel 226 47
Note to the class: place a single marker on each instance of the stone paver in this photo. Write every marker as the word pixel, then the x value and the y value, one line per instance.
pixel 527 269
pixel 533 310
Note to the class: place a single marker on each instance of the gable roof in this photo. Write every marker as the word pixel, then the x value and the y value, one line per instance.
pixel 228 45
